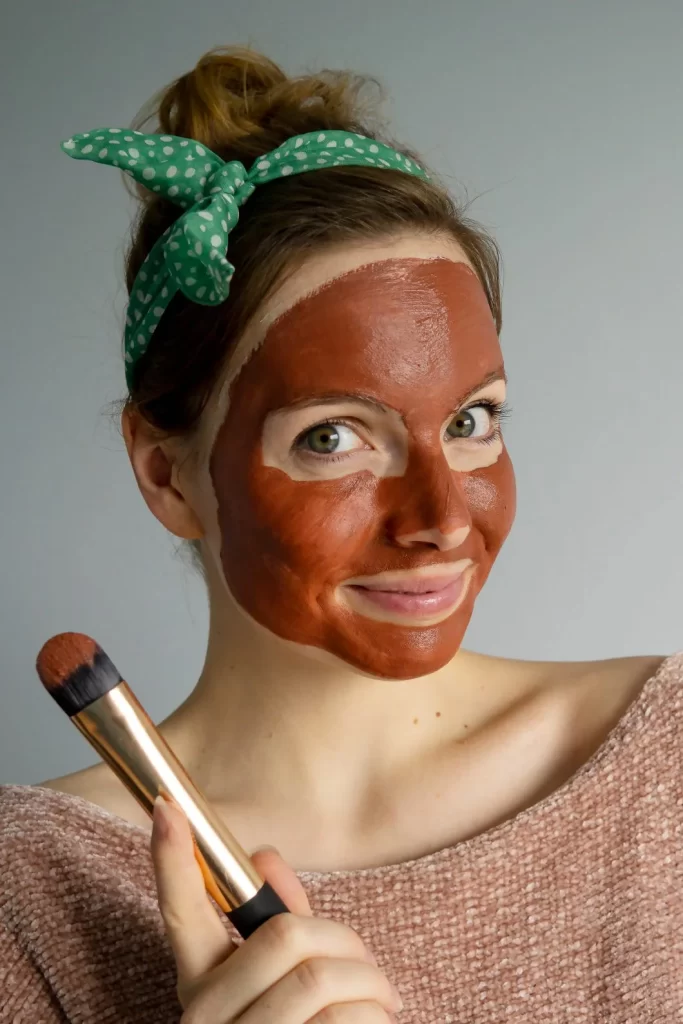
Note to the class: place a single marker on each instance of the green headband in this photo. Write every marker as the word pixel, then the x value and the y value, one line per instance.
pixel 190 256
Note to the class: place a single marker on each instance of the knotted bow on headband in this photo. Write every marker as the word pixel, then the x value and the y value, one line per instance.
pixel 190 256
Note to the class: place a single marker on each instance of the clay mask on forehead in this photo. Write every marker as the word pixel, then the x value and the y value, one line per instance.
pixel 348 451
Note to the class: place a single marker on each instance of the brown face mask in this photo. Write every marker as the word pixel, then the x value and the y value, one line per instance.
pixel 411 472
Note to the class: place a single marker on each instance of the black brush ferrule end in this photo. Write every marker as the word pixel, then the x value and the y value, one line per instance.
pixel 86 684
pixel 256 911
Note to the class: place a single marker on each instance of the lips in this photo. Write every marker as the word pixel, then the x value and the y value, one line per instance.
pixel 421 597
pixel 411 585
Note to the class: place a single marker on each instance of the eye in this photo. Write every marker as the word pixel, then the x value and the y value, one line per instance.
pixel 333 438
pixel 464 424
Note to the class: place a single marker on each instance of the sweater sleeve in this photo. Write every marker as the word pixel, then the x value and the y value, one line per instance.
pixel 25 995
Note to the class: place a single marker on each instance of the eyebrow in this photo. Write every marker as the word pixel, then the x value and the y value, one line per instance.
pixel 335 397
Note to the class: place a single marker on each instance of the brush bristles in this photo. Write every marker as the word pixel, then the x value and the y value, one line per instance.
pixel 75 671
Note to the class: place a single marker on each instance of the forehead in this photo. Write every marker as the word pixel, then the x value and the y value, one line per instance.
pixel 380 330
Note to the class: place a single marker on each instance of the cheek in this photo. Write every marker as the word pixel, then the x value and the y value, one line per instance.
pixel 306 528
pixel 492 500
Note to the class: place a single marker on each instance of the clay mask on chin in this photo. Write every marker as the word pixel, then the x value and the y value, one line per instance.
pixel 408 476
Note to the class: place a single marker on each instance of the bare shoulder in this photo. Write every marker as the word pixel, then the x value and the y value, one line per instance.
pixel 625 675
pixel 618 678
pixel 80 783
pixel 591 695
pixel 601 692
pixel 100 786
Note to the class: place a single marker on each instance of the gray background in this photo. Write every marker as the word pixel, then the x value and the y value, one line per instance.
pixel 564 118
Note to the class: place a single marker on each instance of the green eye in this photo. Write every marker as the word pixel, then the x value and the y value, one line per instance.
pixel 461 425
pixel 322 440
pixel 332 440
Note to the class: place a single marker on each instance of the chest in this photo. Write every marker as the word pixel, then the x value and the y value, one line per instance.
pixel 514 764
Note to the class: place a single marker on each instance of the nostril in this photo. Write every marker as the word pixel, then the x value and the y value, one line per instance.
pixel 414 540
pixel 434 538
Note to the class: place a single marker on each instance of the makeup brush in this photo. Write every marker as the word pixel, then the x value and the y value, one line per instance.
pixel 75 670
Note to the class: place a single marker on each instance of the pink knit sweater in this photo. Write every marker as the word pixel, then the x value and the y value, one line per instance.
pixel 569 913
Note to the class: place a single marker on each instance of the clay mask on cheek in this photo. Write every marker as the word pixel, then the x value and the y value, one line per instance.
pixel 403 479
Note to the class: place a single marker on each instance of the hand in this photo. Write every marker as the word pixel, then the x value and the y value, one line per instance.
pixel 293 969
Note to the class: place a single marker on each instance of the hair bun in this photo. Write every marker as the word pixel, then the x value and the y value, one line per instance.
pixel 240 104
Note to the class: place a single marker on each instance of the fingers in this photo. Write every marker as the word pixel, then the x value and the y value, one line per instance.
pixel 287 970
pixel 283 879
pixel 197 935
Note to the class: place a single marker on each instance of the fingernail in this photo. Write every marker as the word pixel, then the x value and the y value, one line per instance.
pixel 398 1005
pixel 259 849
pixel 161 818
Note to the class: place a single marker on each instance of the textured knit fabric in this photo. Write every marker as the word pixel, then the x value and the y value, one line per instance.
pixel 569 913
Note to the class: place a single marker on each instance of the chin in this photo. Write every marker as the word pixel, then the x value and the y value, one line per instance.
pixel 392 668
pixel 392 652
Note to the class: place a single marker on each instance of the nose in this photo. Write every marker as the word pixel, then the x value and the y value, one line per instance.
pixel 430 509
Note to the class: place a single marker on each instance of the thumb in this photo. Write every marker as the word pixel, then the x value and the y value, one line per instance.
pixel 273 869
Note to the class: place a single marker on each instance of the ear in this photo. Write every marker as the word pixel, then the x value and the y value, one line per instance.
pixel 155 465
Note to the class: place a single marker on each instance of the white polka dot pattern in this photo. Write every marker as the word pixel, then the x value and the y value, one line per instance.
pixel 191 254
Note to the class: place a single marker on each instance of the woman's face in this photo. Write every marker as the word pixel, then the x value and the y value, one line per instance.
pixel 359 467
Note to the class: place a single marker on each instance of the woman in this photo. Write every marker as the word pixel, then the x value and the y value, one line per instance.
pixel 502 835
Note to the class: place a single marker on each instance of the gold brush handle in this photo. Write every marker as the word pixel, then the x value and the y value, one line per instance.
pixel 124 735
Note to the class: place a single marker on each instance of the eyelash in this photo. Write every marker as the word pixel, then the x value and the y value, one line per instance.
pixel 498 411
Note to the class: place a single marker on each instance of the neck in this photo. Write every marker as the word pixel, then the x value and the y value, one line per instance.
pixel 271 726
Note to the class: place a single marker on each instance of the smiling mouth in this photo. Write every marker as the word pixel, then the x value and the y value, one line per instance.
pixel 422 598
